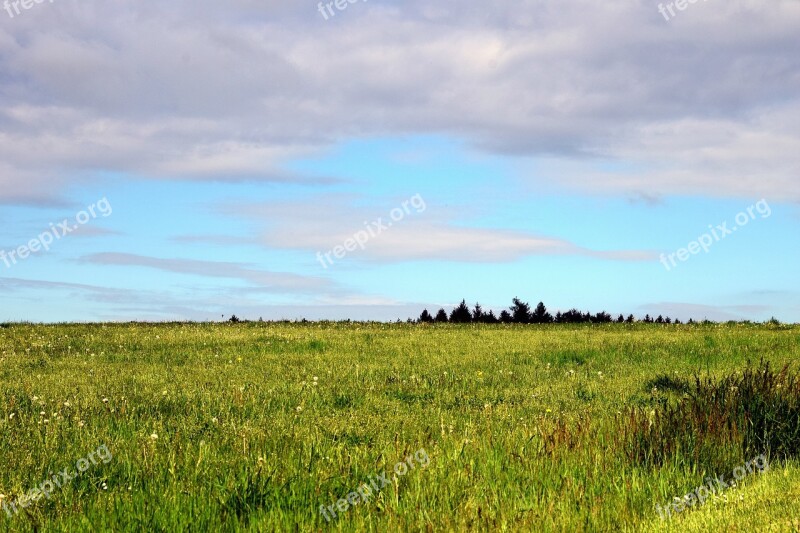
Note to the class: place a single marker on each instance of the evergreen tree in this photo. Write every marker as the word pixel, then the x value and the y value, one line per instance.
pixel 461 314
pixel 478 314
pixel 505 317
pixel 425 317
pixel 620 319
pixel 540 315
pixel 441 316
pixel 602 318
pixel 520 312
pixel 572 316
pixel 630 319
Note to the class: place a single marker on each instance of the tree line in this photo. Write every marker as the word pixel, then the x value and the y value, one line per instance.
pixel 521 313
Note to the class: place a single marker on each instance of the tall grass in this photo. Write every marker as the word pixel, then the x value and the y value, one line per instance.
pixel 718 423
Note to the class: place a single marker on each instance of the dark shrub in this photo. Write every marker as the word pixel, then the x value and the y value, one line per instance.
pixel 718 424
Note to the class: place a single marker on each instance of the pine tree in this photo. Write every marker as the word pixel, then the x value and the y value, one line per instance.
pixel 540 315
pixel 602 318
pixel 461 314
pixel 520 312
pixel 478 314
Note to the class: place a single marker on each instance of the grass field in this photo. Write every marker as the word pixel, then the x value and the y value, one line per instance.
pixel 253 427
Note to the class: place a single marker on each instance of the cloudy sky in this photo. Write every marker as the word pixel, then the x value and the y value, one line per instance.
pixel 218 157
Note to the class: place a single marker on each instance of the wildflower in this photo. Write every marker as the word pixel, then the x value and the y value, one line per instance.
pixel 11 416
pixel 66 404
pixel 299 408
pixel 42 413
pixel 105 400
pixel 104 486
pixel 215 420
pixel 549 410
pixel 81 424
pixel 154 436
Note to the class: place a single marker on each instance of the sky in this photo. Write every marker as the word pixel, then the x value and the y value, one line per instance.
pixel 281 160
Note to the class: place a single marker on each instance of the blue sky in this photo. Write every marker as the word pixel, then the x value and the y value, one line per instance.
pixel 238 144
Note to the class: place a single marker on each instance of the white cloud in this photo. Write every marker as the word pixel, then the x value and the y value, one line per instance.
pixel 319 225
pixel 201 90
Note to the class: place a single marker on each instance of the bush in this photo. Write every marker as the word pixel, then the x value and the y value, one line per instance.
pixel 718 423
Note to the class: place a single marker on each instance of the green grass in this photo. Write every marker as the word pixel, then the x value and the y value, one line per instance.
pixel 522 425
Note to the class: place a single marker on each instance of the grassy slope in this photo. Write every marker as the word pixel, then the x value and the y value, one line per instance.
pixel 247 441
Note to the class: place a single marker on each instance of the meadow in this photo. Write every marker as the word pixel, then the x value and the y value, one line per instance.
pixel 255 426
